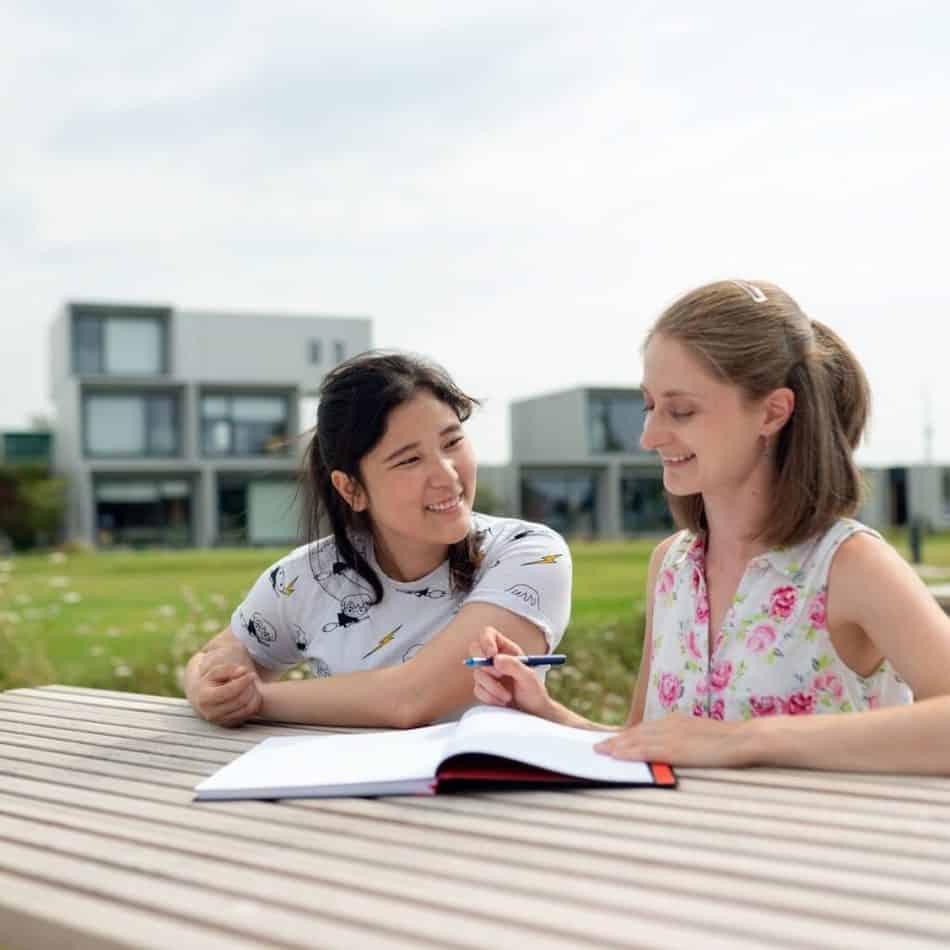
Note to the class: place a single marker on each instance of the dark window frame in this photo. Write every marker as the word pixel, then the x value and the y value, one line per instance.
pixel 95 317
pixel 147 396
pixel 230 395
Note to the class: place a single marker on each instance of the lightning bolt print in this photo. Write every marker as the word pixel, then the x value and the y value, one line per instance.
pixel 383 641
pixel 547 559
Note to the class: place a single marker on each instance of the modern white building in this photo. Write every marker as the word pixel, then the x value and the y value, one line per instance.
pixel 179 427
pixel 577 465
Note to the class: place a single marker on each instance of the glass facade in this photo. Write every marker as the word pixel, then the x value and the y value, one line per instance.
pixel 243 425
pixel 131 424
pixel 112 341
pixel 615 422
pixel 643 504
pixel 143 511
pixel 566 502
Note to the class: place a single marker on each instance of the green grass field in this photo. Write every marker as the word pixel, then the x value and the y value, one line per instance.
pixel 129 620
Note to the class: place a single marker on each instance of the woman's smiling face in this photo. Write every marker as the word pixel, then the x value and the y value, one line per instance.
pixel 706 431
pixel 418 481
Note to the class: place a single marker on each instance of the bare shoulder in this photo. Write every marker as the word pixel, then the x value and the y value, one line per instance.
pixel 868 576
pixel 867 557
pixel 660 551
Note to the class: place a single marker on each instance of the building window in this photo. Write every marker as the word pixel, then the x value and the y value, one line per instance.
pixel 643 504
pixel 114 341
pixel 316 352
pixel 565 502
pixel 615 423
pixel 143 512
pixel 233 424
pixel 339 351
pixel 256 510
pixel 131 424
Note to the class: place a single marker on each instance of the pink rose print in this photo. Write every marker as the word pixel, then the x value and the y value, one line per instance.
pixel 720 676
pixel 782 602
pixel 695 579
pixel 702 608
pixel 717 643
pixel 666 581
pixel 698 709
pixel 766 706
pixel 830 682
pixel 671 688
pixel 801 704
pixel 873 702
pixel 702 686
pixel 816 613
pixel 697 553
pixel 761 637
pixel 717 709
pixel 693 646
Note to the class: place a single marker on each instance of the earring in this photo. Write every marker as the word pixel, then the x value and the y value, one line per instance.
pixel 766 446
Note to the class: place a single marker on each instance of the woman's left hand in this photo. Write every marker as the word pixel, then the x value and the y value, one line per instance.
pixel 678 739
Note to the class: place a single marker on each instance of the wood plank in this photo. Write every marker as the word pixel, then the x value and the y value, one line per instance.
pixel 426 904
pixel 593 880
pixel 20 733
pixel 242 915
pixel 839 783
pixel 85 922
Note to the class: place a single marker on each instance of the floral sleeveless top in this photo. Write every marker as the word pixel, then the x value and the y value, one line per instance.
pixel 773 654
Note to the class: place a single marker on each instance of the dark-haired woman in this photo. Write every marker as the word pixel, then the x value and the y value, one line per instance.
pixel 384 607
pixel 772 603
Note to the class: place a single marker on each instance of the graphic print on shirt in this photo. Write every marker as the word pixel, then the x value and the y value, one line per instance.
pixel 526 594
pixel 302 639
pixel 261 629
pixel 545 559
pixel 344 585
pixel 278 581
pixel 383 641
pixel 430 593
pixel 412 651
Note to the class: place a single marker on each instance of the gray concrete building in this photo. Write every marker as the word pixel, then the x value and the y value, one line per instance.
pixel 179 427
pixel 900 494
pixel 577 465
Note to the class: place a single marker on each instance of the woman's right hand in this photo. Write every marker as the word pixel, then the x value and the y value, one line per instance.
pixel 508 682
pixel 226 693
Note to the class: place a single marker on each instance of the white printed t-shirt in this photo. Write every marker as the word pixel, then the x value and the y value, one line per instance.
pixel 311 607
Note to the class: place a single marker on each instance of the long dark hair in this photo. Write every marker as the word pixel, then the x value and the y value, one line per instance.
pixel 356 399
pixel 756 336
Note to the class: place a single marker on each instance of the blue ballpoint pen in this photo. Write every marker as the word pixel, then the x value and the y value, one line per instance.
pixel 546 659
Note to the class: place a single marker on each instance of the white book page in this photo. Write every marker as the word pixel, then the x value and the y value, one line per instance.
pixel 315 765
pixel 515 735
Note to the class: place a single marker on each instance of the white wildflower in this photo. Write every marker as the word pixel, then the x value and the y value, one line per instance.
pixel 71 597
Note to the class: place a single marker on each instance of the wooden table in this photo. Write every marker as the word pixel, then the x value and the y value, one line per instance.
pixel 101 846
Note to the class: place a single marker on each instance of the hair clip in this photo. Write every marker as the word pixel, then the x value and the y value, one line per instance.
pixel 754 292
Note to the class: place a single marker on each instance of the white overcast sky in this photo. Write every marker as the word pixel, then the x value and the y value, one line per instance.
pixel 513 188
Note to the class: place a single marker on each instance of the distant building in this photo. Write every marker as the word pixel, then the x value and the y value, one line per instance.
pixel 26 448
pixel 577 464
pixel 179 427
pixel 899 494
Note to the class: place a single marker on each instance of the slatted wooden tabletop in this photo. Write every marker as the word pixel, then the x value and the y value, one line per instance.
pixel 101 846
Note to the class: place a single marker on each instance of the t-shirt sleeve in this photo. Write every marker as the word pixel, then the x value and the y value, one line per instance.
pixel 528 571
pixel 263 622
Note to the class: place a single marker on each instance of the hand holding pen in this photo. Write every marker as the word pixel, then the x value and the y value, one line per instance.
pixel 539 659
pixel 503 674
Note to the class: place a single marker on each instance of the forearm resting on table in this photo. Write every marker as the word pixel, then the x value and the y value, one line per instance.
pixel 913 738
pixel 383 698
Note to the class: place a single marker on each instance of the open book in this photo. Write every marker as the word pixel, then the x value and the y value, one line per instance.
pixel 487 747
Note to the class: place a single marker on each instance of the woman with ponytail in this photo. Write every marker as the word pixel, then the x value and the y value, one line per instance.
pixel 771 604
pixel 383 607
